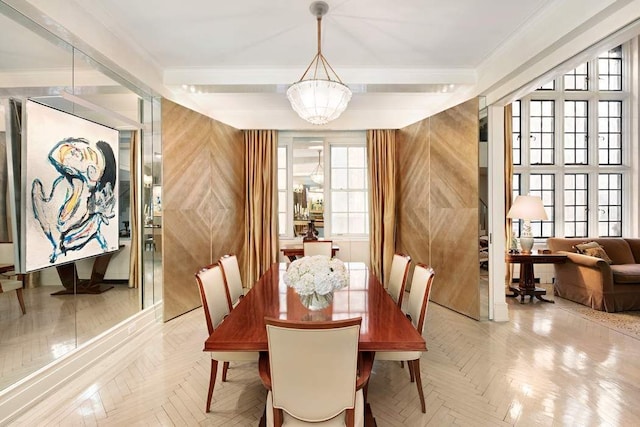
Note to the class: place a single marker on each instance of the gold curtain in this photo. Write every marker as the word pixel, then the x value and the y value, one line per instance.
pixel 134 202
pixel 508 180
pixel 381 157
pixel 261 203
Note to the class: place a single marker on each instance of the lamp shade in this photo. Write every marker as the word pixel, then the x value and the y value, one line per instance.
pixel 528 208
pixel 319 101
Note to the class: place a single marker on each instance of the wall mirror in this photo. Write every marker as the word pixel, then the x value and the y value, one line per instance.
pixel 308 186
pixel 59 314
pixel 483 210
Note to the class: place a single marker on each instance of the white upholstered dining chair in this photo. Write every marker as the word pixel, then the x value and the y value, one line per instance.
pixel 317 247
pixel 398 277
pixel 232 278
pixel 215 303
pixel 311 372
pixel 417 312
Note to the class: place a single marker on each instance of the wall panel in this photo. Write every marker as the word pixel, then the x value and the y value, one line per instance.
pixel 438 203
pixel 203 200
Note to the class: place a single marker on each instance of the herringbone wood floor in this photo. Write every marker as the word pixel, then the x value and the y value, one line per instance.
pixel 547 366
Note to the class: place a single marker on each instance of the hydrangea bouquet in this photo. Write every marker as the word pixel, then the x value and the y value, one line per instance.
pixel 315 278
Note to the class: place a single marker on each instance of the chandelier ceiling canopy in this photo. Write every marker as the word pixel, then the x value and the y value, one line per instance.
pixel 319 96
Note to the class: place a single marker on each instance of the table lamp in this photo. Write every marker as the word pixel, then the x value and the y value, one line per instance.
pixel 527 208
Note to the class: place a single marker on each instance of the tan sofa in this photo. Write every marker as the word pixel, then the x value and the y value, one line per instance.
pixel 593 282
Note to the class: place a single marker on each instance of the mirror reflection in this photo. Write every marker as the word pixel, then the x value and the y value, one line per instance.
pixel 308 187
pixel 69 305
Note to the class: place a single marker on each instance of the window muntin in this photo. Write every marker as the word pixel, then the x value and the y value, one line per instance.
pixel 576 133
pixel 576 204
pixel 548 86
pixel 610 69
pixel 578 78
pixel 543 186
pixel 541 132
pixel 610 132
pixel 349 193
pixel 516 133
pixel 592 166
pixel 282 190
pixel 610 204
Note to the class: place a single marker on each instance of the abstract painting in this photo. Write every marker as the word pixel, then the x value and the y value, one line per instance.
pixel 70 196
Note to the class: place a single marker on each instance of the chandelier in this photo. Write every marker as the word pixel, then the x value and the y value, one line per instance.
pixel 317 175
pixel 317 97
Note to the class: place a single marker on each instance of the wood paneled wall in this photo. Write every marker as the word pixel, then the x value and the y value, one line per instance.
pixel 438 203
pixel 203 200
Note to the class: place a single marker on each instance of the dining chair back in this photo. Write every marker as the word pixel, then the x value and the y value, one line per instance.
pixel 215 303
pixel 416 312
pixel 398 277
pixel 312 372
pixel 232 278
pixel 318 247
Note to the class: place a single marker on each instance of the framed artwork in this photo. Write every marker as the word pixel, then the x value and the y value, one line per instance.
pixel 70 181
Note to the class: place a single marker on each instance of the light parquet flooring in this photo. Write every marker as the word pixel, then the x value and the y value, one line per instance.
pixel 547 366
pixel 55 325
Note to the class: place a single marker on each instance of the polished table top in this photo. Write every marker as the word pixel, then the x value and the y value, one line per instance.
pixel 384 326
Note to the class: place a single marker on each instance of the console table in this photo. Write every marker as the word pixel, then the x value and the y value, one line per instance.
pixel 527 285
pixel 68 274
pixel 294 251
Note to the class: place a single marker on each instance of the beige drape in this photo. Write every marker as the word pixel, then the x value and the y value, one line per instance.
pixel 134 202
pixel 261 203
pixel 508 179
pixel 381 156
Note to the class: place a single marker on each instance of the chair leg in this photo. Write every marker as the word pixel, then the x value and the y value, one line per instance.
pixel 212 382
pixel 411 374
pixel 225 368
pixel 21 300
pixel 416 370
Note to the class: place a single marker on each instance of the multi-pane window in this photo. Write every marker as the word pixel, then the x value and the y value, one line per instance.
pixel 576 134
pixel 516 127
pixel 349 204
pixel 541 132
pixel 282 190
pixel 610 132
pixel 578 78
pixel 515 192
pixel 322 180
pixel 580 183
pixel 610 69
pixel 548 86
pixel 543 186
pixel 610 204
pixel 576 204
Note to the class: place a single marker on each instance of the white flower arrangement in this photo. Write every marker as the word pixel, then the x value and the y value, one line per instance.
pixel 316 274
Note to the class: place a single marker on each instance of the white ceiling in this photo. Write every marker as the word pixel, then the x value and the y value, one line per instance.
pixel 404 60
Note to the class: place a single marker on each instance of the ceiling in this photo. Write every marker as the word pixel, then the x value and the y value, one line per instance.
pixel 233 61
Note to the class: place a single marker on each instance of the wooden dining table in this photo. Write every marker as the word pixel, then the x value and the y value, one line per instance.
pixel 384 327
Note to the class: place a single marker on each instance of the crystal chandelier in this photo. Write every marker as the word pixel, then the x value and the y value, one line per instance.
pixel 317 97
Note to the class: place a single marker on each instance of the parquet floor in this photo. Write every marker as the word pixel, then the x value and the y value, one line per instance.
pixel 54 325
pixel 545 367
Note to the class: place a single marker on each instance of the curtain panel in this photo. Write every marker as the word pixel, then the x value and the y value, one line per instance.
pixel 134 203
pixel 261 203
pixel 381 158
pixel 508 182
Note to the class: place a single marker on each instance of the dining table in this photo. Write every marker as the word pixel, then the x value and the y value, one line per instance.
pixel 384 326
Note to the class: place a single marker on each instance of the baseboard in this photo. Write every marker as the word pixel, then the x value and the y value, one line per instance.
pixel 500 312
pixel 20 396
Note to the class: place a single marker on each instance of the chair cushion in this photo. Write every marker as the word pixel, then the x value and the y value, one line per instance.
pixel 10 285
pixel 235 356
pixel 626 273
pixel 399 356
pixel 335 421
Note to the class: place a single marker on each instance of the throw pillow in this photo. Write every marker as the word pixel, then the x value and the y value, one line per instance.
pixel 595 250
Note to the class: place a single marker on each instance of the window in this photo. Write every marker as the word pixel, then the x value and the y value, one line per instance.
pixel 580 183
pixel 349 204
pixel 327 178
